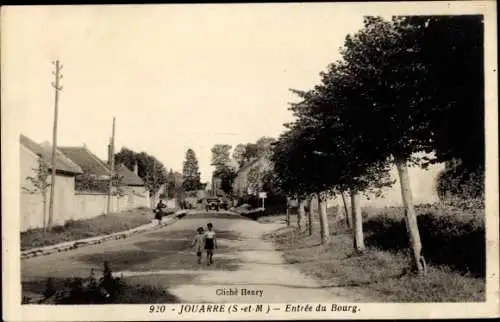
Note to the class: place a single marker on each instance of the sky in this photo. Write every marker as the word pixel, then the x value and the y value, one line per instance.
pixel 174 76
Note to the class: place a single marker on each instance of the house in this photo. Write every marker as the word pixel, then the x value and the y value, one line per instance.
pixel 132 187
pixel 91 165
pixel 242 183
pixel 33 214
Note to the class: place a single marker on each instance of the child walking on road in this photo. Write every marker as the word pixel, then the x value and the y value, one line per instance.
pixel 198 242
pixel 210 243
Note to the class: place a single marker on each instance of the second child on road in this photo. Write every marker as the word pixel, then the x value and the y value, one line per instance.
pixel 198 242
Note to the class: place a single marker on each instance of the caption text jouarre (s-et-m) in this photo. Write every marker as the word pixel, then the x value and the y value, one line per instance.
pixel 249 308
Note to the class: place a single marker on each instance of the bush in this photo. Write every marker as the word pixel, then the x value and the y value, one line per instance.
pixel 105 290
pixel 458 182
pixel 449 236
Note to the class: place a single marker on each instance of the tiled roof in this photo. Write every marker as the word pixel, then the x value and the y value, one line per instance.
pixel 129 178
pixel 88 161
pixel 62 163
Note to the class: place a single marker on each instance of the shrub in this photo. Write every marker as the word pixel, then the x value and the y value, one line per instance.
pixel 105 290
pixel 457 182
pixel 449 236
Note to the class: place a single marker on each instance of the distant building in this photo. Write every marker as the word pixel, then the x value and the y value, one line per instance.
pixel 242 184
pixel 131 186
pixel 87 160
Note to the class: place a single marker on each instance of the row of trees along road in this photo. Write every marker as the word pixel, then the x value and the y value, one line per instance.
pixel 409 85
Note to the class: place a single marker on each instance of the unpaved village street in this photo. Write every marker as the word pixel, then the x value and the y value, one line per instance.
pixel 246 267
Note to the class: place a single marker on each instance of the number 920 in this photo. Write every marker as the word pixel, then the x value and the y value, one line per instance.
pixel 157 308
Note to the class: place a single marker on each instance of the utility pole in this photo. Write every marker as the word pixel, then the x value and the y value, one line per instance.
pixel 57 89
pixel 111 156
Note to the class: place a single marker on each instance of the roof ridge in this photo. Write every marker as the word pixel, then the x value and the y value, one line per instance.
pixel 99 161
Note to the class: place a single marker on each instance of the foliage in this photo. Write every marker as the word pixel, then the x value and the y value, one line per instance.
pixel 451 48
pixel 150 170
pixel 388 98
pixel 190 172
pixel 220 155
pixel 270 183
pixel 40 180
pixel 127 157
pixel 379 101
pixel 245 153
pixel 251 153
pixel 40 184
pixel 458 182
pixel 239 154
pixel 255 178
pixel 223 171
pixel 89 182
pixel 460 236
pixel 174 184
pixel 104 290
pixel 226 175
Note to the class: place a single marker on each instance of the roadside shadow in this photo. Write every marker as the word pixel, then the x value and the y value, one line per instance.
pixel 186 233
pixel 164 245
pixel 215 215
pixel 298 247
pixel 120 260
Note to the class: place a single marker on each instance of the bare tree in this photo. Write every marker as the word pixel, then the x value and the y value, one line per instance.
pixel 40 185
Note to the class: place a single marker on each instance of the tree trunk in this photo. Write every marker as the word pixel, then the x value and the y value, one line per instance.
pixel 301 213
pixel 310 214
pixel 288 212
pixel 357 222
pixel 323 219
pixel 411 215
pixel 348 216
pixel 45 212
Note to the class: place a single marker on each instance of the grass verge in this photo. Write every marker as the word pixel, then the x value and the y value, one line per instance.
pixel 80 229
pixel 382 274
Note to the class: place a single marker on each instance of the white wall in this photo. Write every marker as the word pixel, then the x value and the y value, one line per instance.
pixel 422 183
pixel 32 202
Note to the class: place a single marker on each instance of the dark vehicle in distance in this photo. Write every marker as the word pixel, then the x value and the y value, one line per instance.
pixel 212 204
pixel 224 204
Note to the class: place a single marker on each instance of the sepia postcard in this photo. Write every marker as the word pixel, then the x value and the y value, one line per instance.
pixel 250 161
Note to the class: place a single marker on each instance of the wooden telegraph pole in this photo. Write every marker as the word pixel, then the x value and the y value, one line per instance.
pixel 57 88
pixel 154 181
pixel 112 166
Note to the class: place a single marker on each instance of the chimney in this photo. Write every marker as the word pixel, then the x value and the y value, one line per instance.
pixel 136 169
